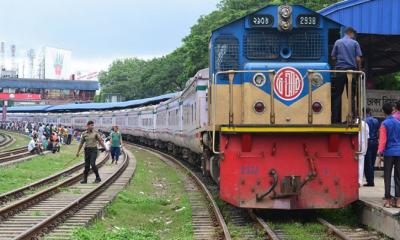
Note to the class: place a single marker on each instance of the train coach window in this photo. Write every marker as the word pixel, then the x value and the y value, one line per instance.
pixel 226 54
pixel 306 45
pixel 261 45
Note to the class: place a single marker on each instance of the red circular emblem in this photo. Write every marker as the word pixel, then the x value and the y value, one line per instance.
pixel 288 83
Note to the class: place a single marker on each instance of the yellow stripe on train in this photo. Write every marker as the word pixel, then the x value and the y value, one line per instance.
pixel 291 129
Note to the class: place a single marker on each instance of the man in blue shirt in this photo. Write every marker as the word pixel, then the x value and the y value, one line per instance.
pixel 346 54
pixel 370 157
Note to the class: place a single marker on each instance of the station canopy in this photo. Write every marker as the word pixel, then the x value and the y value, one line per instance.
pixel 49 84
pixel 94 106
pixel 377 23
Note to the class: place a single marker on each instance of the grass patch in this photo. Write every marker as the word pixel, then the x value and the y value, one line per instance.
pixel 20 140
pixel 343 216
pixel 154 206
pixel 39 167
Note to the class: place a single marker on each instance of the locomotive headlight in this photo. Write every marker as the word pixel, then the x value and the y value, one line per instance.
pixel 259 79
pixel 285 11
pixel 316 79
pixel 259 107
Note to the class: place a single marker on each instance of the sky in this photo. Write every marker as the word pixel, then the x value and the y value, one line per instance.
pixel 100 31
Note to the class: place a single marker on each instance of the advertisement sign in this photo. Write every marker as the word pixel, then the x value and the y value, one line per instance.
pixel 376 99
pixel 57 63
pixel 19 96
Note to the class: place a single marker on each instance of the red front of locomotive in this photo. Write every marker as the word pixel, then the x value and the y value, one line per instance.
pixel 289 170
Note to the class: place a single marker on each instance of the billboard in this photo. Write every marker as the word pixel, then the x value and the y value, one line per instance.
pixel 20 96
pixel 57 63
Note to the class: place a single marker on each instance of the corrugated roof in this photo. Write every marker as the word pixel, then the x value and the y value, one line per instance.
pixel 367 16
pixel 93 106
pixel 49 84
pixel 36 108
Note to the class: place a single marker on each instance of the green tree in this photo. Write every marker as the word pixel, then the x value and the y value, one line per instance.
pixel 135 78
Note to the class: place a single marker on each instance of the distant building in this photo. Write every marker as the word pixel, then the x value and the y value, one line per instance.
pixel 47 91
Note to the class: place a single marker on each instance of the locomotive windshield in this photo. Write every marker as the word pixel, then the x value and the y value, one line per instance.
pixel 270 44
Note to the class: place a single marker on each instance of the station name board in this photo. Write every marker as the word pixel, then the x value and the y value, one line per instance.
pixel 376 99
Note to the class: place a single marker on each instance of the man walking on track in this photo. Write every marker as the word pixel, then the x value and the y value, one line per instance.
pixel 116 142
pixel 90 138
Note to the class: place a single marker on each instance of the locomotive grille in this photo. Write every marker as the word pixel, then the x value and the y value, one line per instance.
pixel 261 45
pixel 226 54
pixel 306 45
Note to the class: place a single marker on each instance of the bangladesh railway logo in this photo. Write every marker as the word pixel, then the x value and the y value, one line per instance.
pixel 288 83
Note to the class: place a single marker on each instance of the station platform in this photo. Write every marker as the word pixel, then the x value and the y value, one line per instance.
pixel 373 214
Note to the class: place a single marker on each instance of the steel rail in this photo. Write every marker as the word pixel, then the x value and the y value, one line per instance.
pixel 46 225
pixel 22 204
pixel 268 231
pixel 8 196
pixel 7 140
pixel 218 215
pixel 334 229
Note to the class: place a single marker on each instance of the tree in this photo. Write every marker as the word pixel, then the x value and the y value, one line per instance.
pixel 135 78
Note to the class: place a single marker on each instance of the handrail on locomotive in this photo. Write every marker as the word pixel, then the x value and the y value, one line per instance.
pixel 350 121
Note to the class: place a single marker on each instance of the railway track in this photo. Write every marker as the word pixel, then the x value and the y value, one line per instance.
pixel 333 232
pixel 14 155
pixel 29 189
pixel 42 212
pixel 208 222
pixel 5 140
pixel 203 225
pixel 347 233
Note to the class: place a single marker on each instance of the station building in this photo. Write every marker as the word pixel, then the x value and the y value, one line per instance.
pixel 23 91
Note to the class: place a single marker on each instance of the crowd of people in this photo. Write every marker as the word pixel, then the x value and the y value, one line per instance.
pixel 382 140
pixel 43 136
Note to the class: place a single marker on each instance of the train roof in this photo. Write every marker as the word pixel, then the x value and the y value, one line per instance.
pixel 94 106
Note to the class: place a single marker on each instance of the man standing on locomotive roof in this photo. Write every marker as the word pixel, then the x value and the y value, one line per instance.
pixel 90 138
pixel 346 54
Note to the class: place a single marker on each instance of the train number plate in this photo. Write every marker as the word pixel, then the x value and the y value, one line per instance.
pixel 261 20
pixel 307 20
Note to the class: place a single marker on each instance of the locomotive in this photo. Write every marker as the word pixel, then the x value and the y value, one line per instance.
pixel 258 120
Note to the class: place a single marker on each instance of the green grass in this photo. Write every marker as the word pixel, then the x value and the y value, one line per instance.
pixel 147 208
pixel 20 141
pixel 39 167
pixel 295 230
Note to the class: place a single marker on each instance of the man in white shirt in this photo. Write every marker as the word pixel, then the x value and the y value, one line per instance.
pixel 34 147
pixel 363 140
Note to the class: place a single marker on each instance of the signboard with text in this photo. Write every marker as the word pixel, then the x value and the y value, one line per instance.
pixel 376 98
pixel 20 96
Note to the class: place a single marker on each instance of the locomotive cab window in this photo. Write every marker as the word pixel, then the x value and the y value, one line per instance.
pixel 226 54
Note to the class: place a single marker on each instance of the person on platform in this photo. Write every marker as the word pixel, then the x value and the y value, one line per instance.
pixel 90 138
pixel 389 150
pixel 346 54
pixel 397 111
pixel 370 157
pixel 363 136
pixel 116 143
